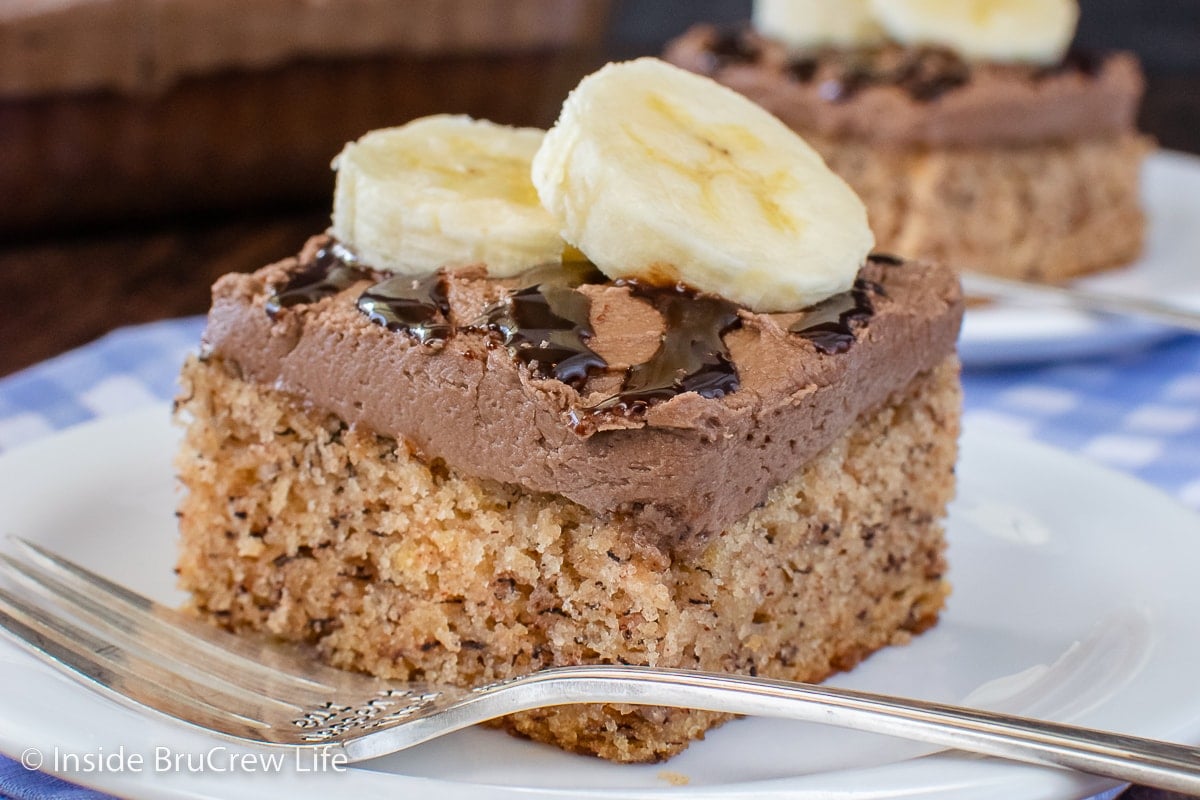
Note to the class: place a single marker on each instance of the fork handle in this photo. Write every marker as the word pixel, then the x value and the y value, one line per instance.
pixel 1133 759
pixel 1080 299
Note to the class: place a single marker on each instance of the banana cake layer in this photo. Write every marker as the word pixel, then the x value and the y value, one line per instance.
pixel 676 470
pixel 397 565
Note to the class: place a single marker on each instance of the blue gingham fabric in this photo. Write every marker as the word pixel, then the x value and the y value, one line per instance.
pixel 1138 413
pixel 128 368
pixel 18 783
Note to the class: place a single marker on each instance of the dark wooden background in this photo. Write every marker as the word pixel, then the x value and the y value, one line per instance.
pixel 62 286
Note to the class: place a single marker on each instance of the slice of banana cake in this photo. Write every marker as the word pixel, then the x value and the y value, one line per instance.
pixel 972 131
pixel 630 392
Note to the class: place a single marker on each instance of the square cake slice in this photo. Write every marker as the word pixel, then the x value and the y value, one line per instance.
pixel 439 445
pixel 438 513
pixel 1022 170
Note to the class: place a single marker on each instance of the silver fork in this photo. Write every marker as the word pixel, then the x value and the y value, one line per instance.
pixel 143 654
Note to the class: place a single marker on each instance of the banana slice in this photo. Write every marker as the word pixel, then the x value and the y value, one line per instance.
pixel 1035 31
pixel 664 176
pixel 810 24
pixel 444 191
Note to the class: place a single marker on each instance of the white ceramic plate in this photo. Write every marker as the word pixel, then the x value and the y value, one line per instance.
pixel 1075 599
pixel 1169 271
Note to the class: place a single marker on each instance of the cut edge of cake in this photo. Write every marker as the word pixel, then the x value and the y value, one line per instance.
pixel 297 525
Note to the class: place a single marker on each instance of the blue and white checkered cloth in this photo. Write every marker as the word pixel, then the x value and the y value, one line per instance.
pixel 1138 413
pixel 127 369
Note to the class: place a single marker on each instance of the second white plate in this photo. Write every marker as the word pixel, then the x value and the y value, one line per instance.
pixel 1168 271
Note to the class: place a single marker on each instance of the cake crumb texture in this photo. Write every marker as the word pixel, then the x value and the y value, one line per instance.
pixel 1045 212
pixel 391 563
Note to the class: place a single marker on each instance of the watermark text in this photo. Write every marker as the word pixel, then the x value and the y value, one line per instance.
pixel 218 759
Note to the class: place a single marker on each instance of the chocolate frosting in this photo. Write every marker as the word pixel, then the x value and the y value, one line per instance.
pixel 677 470
pixel 954 104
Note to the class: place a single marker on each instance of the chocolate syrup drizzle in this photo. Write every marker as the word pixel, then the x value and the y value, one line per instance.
pixel 926 73
pixel 546 323
pixel 419 307
pixel 830 324
pixel 1086 62
pixel 333 270
pixel 732 46
pixel 692 356
pixel 803 70
pixel 886 259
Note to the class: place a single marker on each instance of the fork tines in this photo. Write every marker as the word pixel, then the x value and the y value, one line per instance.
pixel 141 652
